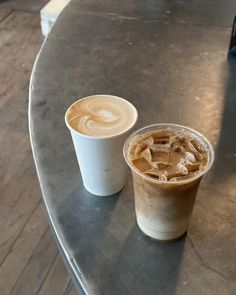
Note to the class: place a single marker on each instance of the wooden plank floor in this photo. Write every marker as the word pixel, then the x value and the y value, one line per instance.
pixel 29 259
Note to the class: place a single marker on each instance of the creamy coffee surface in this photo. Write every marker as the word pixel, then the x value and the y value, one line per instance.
pixel 167 155
pixel 101 115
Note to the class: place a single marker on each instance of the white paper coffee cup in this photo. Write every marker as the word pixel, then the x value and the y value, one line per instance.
pixel 100 159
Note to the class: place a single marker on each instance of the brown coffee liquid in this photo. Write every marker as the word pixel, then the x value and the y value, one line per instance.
pixel 167 155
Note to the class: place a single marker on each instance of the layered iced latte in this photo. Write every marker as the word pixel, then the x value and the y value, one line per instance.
pixel 167 162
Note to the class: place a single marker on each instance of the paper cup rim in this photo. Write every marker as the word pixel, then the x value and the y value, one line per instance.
pixel 106 136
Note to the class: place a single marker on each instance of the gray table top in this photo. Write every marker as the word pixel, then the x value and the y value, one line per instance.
pixel 169 58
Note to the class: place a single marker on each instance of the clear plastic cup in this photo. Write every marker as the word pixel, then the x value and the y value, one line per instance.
pixel 163 208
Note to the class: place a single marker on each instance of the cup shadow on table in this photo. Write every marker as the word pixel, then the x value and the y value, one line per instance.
pixel 144 266
pixel 83 219
pixel 225 152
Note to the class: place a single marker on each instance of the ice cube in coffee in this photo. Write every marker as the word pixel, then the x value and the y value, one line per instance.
pixel 168 155
pixel 167 163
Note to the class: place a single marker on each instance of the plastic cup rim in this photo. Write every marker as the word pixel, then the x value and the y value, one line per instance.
pixel 188 180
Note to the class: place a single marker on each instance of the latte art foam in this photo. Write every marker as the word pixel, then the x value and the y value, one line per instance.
pixel 101 115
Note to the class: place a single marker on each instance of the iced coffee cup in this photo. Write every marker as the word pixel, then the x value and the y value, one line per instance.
pixel 99 125
pixel 167 162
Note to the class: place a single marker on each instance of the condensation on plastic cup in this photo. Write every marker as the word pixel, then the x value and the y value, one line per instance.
pixel 164 215
pixel 100 158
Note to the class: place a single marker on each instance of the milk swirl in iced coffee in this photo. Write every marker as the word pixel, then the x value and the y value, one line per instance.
pixel 167 162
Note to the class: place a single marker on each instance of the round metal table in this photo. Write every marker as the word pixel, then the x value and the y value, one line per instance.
pixel 169 59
